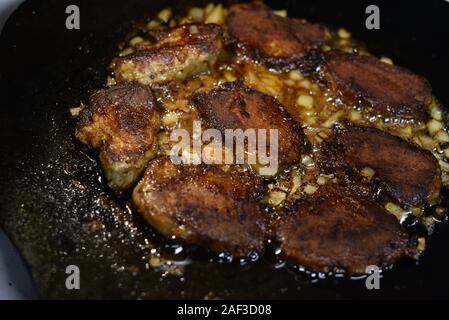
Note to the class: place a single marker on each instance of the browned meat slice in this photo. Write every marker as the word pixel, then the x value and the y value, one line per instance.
pixel 203 205
pixel 384 89
pixel 122 123
pixel 278 42
pixel 403 171
pixel 235 106
pixel 334 231
pixel 185 51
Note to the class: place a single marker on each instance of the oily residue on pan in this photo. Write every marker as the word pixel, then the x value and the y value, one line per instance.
pixel 320 89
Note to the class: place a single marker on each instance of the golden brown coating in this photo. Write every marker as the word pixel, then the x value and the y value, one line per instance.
pixel 403 171
pixel 121 122
pixel 380 88
pixel 203 205
pixel 183 52
pixel 334 230
pixel 277 42
pixel 236 106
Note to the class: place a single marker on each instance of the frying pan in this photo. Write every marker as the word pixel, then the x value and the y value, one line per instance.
pixel 54 204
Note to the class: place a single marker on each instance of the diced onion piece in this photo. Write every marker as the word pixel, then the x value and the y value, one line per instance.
pixel 216 15
pixel 125 52
pixel 165 15
pixel 444 165
pixel 386 60
pixel 306 84
pixel 310 189
pixel 427 142
pixel 354 115
pixel 75 111
pixel 333 119
pixel 307 161
pixel 136 40
pixel 433 126
pixel 367 172
pixel 442 136
pixel 394 209
pixel 343 33
pixel 435 112
pixel 197 14
pixel 170 119
pixel 421 245
pixel 209 8
pixel 295 75
pixel 152 24
pixel 305 100
pixel 280 13
pixel 229 76
pixel 407 131
pixel 296 181
pixel 275 198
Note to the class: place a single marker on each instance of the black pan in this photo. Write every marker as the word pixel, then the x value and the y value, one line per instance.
pixel 52 196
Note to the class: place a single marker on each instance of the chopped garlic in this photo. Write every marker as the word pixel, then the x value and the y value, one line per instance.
pixel 306 101
pixel 433 126
pixel 275 198
pixel 310 189
pixel 343 33
pixel 394 209
pixel 165 15
pixel 280 13
pixel 442 136
pixel 216 15
pixel 295 75
pixel 367 172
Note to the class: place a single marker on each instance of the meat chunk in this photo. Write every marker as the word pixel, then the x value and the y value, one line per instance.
pixel 334 231
pixel 278 42
pixel 121 122
pixel 236 106
pixel 380 88
pixel 203 205
pixel 185 51
pixel 403 171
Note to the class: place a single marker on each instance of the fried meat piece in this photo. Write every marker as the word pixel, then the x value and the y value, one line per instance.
pixel 384 89
pixel 203 205
pixel 236 106
pixel 403 171
pixel 334 230
pixel 121 122
pixel 184 52
pixel 277 42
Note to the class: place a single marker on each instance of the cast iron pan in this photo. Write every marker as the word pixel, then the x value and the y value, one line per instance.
pixel 52 196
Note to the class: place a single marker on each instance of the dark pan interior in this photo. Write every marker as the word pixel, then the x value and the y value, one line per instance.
pixel 52 197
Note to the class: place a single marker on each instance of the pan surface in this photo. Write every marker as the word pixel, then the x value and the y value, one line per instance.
pixel 56 209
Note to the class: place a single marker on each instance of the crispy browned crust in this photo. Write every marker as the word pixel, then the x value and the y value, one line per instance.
pixel 236 106
pixel 203 205
pixel 275 41
pixel 335 230
pixel 380 88
pixel 121 122
pixel 403 171
pixel 181 53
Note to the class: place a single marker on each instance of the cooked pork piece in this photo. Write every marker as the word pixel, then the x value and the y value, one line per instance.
pixel 403 171
pixel 121 122
pixel 236 106
pixel 185 51
pixel 381 88
pixel 278 42
pixel 203 205
pixel 335 230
